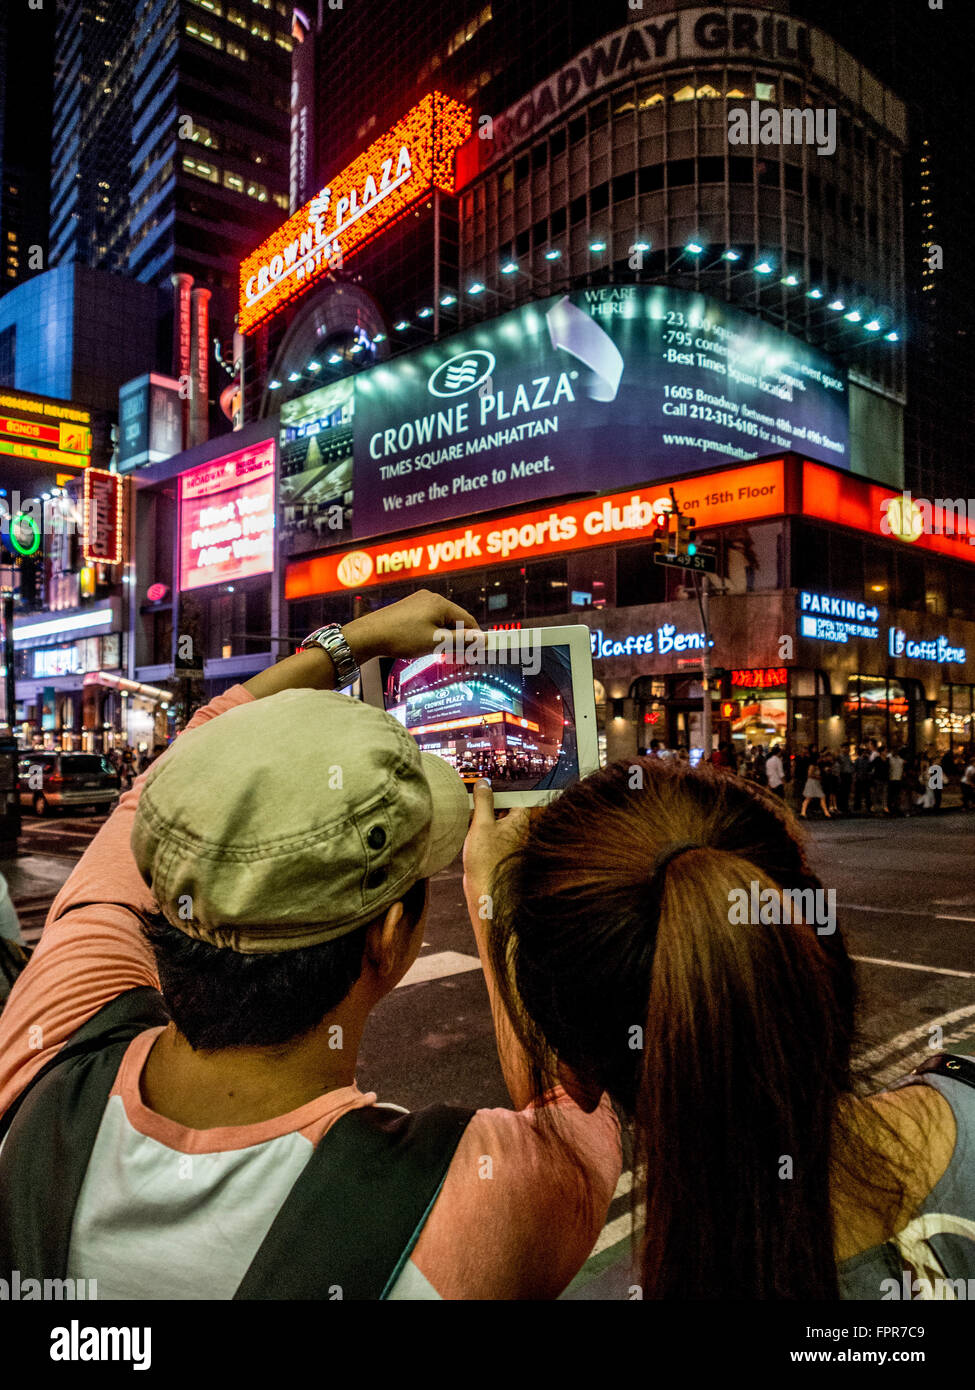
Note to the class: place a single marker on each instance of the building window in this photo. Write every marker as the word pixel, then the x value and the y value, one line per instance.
pixel 203 35
pixel 200 135
pixel 201 170
pixel 8 354
pixel 214 6
pixel 233 182
pixel 235 17
pixel 236 50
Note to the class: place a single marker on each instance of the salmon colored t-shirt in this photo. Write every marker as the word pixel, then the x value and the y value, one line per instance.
pixel 170 1212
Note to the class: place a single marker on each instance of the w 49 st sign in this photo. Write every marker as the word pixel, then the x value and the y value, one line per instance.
pixel 703 562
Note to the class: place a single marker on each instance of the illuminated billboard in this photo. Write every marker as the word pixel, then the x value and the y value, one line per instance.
pixel 720 499
pixel 404 165
pixel 102 517
pixel 226 518
pixel 315 465
pixel 605 387
pixel 46 431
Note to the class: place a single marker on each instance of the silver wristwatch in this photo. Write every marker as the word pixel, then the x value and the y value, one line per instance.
pixel 331 640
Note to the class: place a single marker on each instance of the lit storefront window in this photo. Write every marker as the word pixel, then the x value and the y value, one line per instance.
pixel 877 708
pixel 953 717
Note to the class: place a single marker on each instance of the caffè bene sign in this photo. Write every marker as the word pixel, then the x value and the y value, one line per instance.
pixel 644 46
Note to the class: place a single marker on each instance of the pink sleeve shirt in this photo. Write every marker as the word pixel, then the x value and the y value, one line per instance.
pixel 519 1211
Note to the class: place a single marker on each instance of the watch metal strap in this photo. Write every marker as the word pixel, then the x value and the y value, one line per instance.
pixel 331 639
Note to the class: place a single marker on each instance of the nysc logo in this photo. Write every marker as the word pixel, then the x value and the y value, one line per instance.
pixel 903 518
pixel 461 373
pixel 354 568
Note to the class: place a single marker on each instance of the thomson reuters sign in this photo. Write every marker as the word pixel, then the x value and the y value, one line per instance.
pixel 715 500
pixel 403 166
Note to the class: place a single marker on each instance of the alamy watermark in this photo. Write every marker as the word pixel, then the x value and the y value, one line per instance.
pixel 760 124
pixel 908 517
pixel 771 907
pixel 464 648
pixel 17 1289
pixel 45 515
pixel 77 1343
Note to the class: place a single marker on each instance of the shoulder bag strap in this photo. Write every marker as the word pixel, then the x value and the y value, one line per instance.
pixel 50 1137
pixel 357 1209
pixel 948 1064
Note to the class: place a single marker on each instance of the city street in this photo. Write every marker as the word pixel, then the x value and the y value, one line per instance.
pixel 546 387
pixel 905 897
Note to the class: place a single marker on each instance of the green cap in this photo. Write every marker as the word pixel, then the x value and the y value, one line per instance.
pixel 292 820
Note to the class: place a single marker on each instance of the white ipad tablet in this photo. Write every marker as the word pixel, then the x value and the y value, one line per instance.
pixel 515 707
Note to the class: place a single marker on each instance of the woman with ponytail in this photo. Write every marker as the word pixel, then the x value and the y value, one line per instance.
pixel 645 938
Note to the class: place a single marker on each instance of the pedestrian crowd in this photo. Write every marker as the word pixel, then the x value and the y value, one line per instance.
pixel 179 1109
pixel 130 762
pixel 853 780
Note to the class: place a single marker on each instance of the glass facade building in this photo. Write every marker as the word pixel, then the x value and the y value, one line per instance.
pixel 170 140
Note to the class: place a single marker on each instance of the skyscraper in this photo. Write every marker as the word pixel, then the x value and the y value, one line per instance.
pixel 171 137
pixel 26 38
pixel 916 50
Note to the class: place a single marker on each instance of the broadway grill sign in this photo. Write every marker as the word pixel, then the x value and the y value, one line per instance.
pixel 643 47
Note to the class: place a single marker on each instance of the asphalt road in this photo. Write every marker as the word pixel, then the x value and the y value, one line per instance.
pixel 905 898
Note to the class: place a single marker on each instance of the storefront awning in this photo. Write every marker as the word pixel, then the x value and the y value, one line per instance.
pixel 144 692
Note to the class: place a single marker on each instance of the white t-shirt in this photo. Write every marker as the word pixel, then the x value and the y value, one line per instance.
pixel 774 771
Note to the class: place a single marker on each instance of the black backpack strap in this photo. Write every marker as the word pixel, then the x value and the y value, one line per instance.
pixel 948 1064
pixel 51 1130
pixel 348 1223
pixel 125 1016
pixel 356 1211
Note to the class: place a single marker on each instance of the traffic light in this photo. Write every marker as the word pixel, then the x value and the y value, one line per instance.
pixel 685 535
pixel 730 709
pixel 661 543
pixel 21 546
pixel 20 536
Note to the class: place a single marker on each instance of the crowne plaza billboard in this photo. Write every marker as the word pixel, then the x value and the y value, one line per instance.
pixel 608 387
pixel 404 165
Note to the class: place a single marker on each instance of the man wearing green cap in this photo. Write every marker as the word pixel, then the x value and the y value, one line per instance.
pixel 177 1063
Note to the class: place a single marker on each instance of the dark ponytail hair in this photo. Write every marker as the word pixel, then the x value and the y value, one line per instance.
pixel 727 1045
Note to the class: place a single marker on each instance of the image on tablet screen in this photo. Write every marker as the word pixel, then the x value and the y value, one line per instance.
pixel 492 720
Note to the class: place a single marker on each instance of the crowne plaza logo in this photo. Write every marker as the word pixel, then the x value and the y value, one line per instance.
pixel 461 373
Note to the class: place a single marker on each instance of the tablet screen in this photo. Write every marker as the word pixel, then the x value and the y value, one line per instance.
pixel 512 721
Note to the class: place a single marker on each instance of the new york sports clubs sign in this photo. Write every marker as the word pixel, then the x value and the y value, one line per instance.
pixel 579 393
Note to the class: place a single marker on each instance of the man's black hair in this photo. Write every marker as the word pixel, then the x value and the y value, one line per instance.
pixel 220 998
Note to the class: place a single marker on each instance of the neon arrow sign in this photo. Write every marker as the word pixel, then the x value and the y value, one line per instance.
pixel 398 170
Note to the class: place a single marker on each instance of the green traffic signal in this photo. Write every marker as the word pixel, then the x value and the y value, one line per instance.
pixel 18 525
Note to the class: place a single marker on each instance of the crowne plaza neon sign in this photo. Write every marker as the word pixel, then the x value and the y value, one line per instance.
pixel 403 166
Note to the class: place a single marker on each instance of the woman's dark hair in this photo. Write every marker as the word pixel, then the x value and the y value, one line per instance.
pixel 728 1045
pixel 221 998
